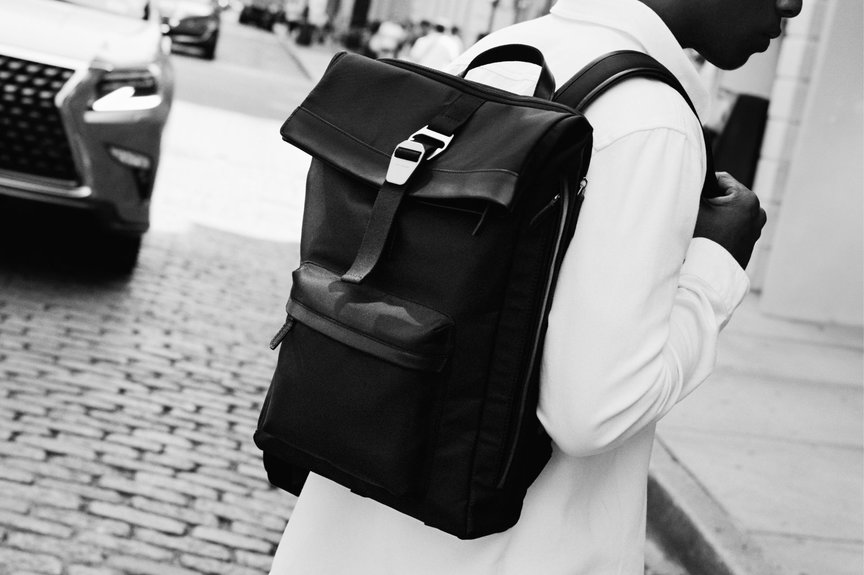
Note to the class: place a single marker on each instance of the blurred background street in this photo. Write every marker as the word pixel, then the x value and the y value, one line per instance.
pixel 128 402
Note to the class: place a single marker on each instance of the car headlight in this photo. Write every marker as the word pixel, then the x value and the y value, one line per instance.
pixel 126 91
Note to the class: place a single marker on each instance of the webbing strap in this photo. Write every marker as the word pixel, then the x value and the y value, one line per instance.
pixel 375 238
pixel 454 115
pixel 610 69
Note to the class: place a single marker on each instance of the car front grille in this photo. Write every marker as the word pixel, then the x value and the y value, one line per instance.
pixel 32 137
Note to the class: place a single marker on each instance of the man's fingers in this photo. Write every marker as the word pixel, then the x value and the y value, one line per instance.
pixel 726 188
pixel 726 182
pixel 728 196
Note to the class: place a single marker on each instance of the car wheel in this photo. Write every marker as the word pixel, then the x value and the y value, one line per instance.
pixel 121 253
pixel 210 47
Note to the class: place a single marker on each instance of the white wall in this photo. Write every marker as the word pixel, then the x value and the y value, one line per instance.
pixel 815 266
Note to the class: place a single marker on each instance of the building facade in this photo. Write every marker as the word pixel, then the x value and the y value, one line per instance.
pixel 809 265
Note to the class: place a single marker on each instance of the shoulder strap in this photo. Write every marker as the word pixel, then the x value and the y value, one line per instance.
pixel 610 69
pixel 518 53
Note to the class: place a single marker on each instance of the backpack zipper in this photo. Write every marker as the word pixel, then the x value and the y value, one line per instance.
pixel 539 215
pixel 563 199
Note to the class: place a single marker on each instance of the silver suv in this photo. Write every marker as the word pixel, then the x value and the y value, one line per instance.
pixel 85 91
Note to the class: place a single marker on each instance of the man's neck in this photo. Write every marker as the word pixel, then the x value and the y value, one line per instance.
pixel 676 15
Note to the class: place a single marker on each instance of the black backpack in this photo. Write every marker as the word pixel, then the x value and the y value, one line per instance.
pixel 438 211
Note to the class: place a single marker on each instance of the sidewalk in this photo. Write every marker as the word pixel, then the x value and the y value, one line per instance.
pixel 773 443
pixel 760 471
pixel 312 60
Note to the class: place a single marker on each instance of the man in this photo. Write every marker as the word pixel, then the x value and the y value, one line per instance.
pixel 387 40
pixel 632 331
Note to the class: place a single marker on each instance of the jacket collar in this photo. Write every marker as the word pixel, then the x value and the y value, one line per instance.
pixel 644 25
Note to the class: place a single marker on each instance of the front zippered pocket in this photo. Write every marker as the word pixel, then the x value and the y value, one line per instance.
pixel 401 332
pixel 356 387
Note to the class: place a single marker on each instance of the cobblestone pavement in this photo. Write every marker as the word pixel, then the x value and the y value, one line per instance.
pixel 127 410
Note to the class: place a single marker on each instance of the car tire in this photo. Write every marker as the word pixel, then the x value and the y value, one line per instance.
pixel 210 48
pixel 121 253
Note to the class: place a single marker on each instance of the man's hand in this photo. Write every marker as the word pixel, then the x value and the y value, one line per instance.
pixel 734 219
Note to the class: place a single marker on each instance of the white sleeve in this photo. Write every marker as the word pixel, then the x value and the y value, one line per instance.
pixel 632 331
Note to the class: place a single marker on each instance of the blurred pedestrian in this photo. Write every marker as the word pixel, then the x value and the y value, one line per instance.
pixel 386 40
pixel 437 48
pixel 317 19
pixel 632 329
pixel 456 34
pixel 294 10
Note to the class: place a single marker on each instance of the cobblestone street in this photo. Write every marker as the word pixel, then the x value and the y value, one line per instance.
pixel 127 411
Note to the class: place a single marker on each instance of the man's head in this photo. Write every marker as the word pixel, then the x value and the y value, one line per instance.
pixel 725 32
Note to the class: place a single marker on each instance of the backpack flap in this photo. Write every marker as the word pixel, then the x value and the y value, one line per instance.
pixel 362 109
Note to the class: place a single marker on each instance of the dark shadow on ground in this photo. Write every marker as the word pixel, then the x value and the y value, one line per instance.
pixel 44 241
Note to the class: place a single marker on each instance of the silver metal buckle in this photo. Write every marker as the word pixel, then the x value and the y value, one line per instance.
pixel 405 159
pixel 409 154
pixel 425 131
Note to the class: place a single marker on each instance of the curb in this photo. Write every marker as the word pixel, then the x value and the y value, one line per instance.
pixel 310 71
pixel 288 47
pixel 692 526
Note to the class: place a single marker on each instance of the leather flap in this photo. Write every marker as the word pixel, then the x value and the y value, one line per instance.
pixel 363 108
pixel 398 331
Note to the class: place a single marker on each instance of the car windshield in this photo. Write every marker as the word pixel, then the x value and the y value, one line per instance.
pixel 131 8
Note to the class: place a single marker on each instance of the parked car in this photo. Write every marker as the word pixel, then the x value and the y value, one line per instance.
pixel 85 91
pixel 194 23
pixel 262 13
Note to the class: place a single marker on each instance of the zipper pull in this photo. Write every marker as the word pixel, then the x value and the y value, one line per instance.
pixel 545 209
pixel 582 185
pixel 283 331
pixel 482 221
